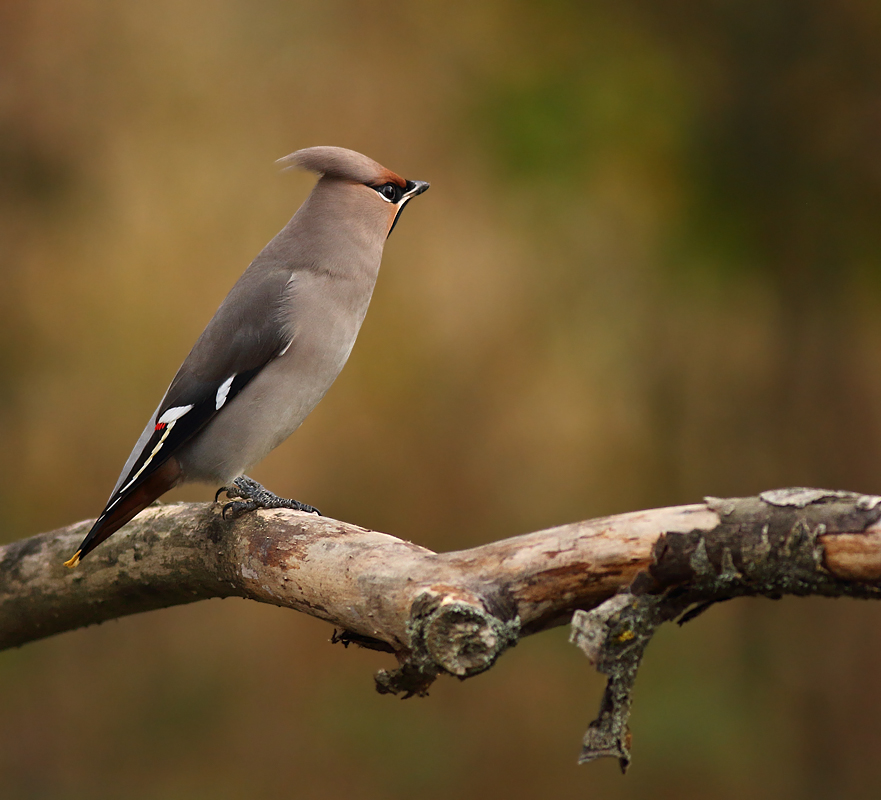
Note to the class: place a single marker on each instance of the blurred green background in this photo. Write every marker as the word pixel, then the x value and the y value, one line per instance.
pixel 648 269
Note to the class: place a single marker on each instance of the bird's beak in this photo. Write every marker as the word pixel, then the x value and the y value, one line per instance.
pixel 414 188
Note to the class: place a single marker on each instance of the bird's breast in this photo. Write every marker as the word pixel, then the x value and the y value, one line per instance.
pixel 323 316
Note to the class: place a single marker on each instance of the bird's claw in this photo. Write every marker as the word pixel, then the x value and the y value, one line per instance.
pixel 248 495
pixel 237 508
pixel 229 491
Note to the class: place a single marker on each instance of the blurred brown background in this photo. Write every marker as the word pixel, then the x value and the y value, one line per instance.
pixel 648 269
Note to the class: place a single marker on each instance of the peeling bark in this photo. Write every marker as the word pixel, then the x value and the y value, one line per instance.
pixel 456 613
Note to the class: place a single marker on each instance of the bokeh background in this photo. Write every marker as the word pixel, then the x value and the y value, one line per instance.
pixel 648 269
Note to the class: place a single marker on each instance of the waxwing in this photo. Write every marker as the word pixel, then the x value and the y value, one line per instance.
pixel 273 348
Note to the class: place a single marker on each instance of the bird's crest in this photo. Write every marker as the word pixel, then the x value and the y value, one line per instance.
pixel 337 162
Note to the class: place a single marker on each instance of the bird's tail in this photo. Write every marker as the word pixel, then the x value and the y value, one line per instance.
pixel 122 509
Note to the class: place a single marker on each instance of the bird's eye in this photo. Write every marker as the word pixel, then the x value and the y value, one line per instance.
pixel 390 191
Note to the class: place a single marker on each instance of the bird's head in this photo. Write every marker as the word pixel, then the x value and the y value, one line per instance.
pixel 377 193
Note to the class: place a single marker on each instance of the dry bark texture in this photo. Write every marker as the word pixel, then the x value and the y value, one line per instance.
pixel 455 613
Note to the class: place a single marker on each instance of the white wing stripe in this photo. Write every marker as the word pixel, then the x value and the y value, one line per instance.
pixel 222 392
pixel 173 414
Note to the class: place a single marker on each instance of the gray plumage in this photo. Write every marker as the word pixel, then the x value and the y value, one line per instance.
pixel 275 345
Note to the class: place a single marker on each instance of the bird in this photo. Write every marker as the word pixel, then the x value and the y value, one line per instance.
pixel 272 349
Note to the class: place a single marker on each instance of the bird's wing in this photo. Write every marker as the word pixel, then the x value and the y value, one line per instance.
pixel 247 332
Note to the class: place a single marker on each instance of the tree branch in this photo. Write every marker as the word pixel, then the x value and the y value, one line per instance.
pixel 455 613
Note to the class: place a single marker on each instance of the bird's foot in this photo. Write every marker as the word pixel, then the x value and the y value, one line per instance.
pixel 250 496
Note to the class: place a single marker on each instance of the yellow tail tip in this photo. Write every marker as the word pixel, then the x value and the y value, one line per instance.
pixel 72 562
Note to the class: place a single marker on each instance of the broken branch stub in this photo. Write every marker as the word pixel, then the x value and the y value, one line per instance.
pixel 449 631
